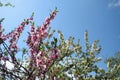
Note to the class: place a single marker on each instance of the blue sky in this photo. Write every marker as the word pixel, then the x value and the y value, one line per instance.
pixel 100 17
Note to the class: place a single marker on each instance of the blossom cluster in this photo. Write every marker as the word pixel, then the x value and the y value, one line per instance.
pixel 13 37
pixel 40 59
pixel 17 32
pixel 35 40
pixel 45 59
pixel 6 36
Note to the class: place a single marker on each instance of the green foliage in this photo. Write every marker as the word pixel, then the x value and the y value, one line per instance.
pixel 6 4
pixel 9 4
pixel 114 64
pixel 1 4
pixel 1 20
pixel 75 63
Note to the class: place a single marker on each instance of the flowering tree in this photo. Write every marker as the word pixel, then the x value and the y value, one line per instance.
pixel 114 60
pixel 49 58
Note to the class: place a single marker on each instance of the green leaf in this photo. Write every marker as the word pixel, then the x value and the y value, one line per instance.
pixel 102 71
pixel 19 60
pixel 25 50
pixel 55 40
pixel 1 20
pixel 1 4
pixel 9 4
pixel 42 48
pixel 32 14
pixel 6 53
pixel 52 43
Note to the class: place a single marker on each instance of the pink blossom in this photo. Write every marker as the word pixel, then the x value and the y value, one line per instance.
pixel 44 67
pixel 47 21
pixel 54 56
pixel 5 58
pixel 44 59
pixel 0 30
pixel 32 28
pixel 44 34
pixel 39 62
pixel 42 28
pixel 36 44
pixel 33 37
pixel 40 54
pixel 28 40
pixel 27 22
pixel 31 18
pixel 14 47
pixel 31 58
pixel 49 61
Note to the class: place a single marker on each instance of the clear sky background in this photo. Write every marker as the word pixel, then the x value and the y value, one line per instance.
pixel 100 17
